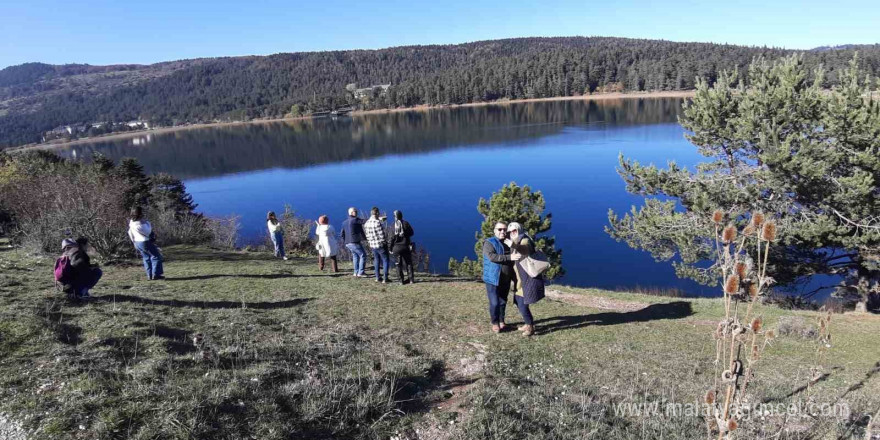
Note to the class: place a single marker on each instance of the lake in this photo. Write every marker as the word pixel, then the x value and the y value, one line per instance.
pixel 434 166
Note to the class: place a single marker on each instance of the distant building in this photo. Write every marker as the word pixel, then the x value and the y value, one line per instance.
pixel 367 92
pixel 138 124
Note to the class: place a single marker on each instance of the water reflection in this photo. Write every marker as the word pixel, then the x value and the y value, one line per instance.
pixel 303 143
pixel 434 166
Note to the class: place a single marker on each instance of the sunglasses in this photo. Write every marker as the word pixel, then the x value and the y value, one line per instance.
pixel 501 229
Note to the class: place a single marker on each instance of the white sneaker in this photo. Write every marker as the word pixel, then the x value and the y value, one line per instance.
pixel 285 258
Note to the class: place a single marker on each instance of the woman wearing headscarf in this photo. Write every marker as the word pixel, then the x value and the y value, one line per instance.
pixel 530 290
pixel 327 245
pixel 277 234
pixel 400 244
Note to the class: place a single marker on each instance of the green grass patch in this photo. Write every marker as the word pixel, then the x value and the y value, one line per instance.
pixel 239 345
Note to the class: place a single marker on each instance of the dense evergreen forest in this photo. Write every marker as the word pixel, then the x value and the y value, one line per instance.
pixel 35 98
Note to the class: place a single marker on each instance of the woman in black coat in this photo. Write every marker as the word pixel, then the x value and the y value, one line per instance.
pixel 401 246
pixel 530 290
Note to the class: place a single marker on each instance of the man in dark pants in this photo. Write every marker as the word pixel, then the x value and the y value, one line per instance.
pixel 497 273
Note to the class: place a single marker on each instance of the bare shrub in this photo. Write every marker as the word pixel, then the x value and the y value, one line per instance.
pixel 297 234
pixel 172 228
pixel 421 259
pixel 68 200
pixel 796 326
pixel 223 231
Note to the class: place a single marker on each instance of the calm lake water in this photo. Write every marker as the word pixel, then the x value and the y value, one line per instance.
pixel 435 166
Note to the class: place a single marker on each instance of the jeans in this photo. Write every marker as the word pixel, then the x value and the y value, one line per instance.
pixel 152 258
pixel 358 257
pixel 524 309
pixel 497 300
pixel 380 258
pixel 278 241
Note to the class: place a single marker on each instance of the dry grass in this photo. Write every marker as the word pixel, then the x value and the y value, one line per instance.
pixel 290 352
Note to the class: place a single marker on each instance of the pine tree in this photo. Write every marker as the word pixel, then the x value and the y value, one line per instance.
pixel 776 143
pixel 519 204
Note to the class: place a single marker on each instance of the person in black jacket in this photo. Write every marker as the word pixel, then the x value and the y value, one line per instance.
pixel 400 244
pixel 84 275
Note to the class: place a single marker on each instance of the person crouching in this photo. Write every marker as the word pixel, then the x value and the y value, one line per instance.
pixel 77 275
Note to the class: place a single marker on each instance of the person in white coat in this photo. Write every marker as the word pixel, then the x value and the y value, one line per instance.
pixel 328 246
pixel 141 233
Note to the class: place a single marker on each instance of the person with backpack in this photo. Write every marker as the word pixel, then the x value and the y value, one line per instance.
pixel 142 236
pixel 401 246
pixel 74 269
pixel 277 234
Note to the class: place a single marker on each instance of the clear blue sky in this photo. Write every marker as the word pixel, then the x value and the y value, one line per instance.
pixel 114 31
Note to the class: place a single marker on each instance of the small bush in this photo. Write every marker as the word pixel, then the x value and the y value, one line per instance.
pixel 297 234
pixel 796 326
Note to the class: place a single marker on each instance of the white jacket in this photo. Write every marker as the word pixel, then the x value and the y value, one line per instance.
pixel 139 230
pixel 328 245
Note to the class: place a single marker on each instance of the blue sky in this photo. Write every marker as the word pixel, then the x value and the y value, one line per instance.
pixel 112 32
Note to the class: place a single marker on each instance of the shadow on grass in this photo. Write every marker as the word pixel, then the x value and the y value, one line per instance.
pixel 672 310
pixel 126 347
pixel 190 254
pixel 203 304
pixel 271 276
pixel 446 279
pixel 58 321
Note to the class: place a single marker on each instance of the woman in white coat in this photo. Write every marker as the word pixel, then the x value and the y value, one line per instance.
pixel 328 246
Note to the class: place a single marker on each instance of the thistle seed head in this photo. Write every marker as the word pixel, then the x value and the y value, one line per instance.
pixel 768 232
pixel 731 425
pixel 741 270
pixel 770 334
pixel 729 234
pixel 717 217
pixel 731 285
pixel 753 290
pixel 757 219
pixel 756 325
pixel 749 230
pixel 710 397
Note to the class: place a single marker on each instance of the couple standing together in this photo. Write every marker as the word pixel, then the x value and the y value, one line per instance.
pixel 503 270
pixel 397 240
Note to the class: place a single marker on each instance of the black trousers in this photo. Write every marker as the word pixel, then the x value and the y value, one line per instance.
pixel 404 259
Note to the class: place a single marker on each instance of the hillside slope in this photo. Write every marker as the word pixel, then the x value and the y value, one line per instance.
pixel 239 345
pixel 35 98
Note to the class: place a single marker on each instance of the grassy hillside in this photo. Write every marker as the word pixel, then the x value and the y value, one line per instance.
pixel 286 351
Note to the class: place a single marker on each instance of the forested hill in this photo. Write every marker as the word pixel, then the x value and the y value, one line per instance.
pixel 35 98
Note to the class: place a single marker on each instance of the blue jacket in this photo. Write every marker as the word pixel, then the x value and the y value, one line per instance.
pixel 496 262
pixel 353 230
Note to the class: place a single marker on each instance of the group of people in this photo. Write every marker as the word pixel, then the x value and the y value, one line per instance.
pixel 508 264
pixel 76 275
pixel 385 242
pixel 507 258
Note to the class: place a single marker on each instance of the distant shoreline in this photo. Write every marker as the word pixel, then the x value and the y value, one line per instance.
pixel 419 108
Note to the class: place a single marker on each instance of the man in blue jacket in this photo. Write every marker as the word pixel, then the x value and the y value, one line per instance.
pixel 497 273
pixel 353 235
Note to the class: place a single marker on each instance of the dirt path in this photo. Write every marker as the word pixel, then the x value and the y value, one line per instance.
pixel 596 302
